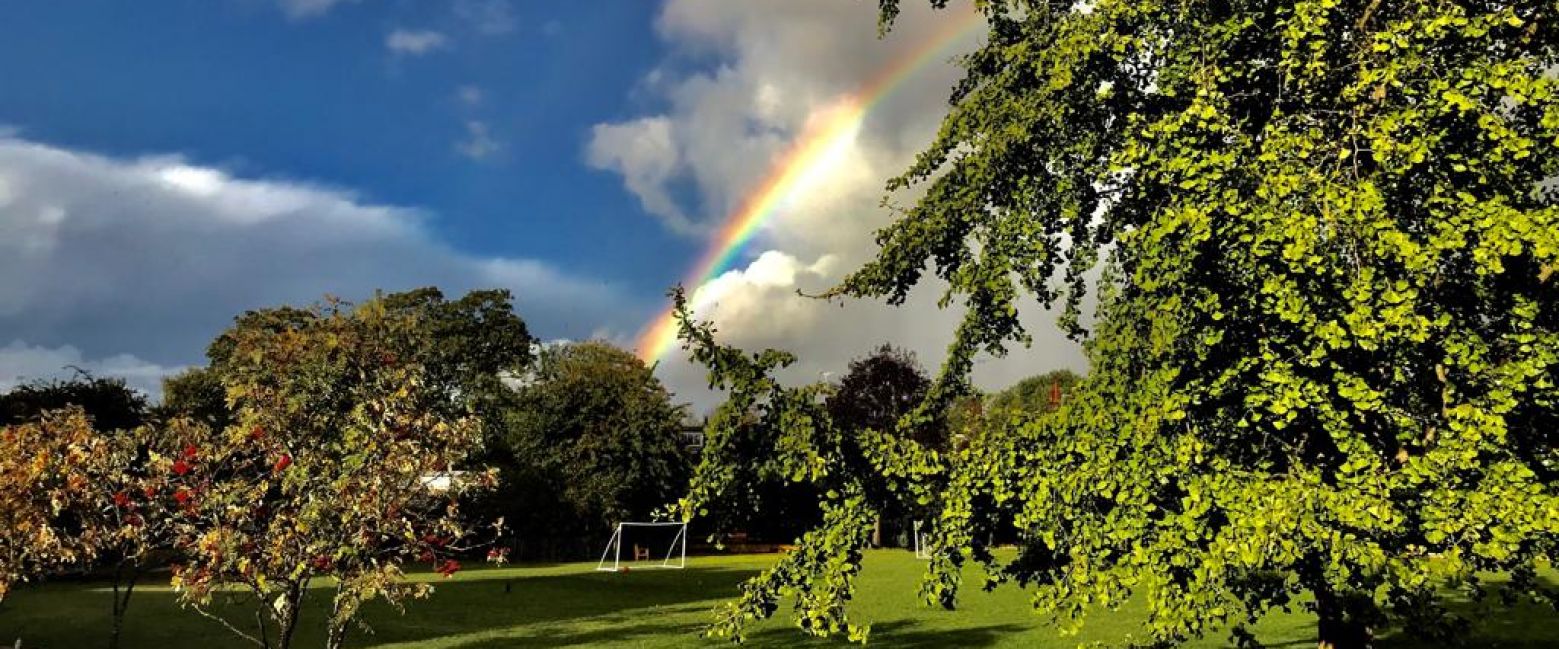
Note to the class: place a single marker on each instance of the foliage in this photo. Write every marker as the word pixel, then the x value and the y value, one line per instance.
pixel 196 393
pixel 1040 393
pixel 324 472
pixel 1326 354
pixel 112 405
pixel 879 389
pixel 773 430
pixel 592 439
pixel 472 344
pixel 66 497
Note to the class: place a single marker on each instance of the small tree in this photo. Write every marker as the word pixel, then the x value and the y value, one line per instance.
pixel 325 473
pixel 48 501
pixel 95 482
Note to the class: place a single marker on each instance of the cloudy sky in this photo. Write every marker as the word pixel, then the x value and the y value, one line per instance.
pixel 167 164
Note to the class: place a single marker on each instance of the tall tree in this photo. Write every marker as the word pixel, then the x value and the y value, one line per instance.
pixel 327 472
pixel 474 343
pixel 593 438
pixel 1325 360
pixel 880 388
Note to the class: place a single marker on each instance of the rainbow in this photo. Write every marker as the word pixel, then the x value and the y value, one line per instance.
pixel 825 140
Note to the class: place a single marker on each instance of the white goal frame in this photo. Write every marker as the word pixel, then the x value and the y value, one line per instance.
pixel 921 551
pixel 614 548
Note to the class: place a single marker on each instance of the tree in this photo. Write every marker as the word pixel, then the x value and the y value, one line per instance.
pixel 593 438
pixel 46 472
pixel 112 405
pixel 879 389
pixel 196 393
pixel 1325 352
pixel 473 344
pixel 71 497
pixel 1040 393
pixel 875 393
pixel 106 515
pixel 325 472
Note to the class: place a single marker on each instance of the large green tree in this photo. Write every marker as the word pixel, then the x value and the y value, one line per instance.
pixel 1325 360
pixel 592 438
pixel 472 344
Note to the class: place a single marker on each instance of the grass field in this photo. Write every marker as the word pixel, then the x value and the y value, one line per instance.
pixel 570 605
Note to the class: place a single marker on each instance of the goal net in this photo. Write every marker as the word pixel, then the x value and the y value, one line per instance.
pixel 645 545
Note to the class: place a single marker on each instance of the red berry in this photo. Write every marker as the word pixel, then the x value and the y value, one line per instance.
pixel 257 433
pixel 181 467
pixel 182 496
pixel 190 451
pixel 282 464
pixel 449 567
pixel 121 499
pixel 150 491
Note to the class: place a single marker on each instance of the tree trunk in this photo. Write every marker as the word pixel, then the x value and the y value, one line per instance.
pixel 287 622
pixel 122 603
pixel 336 628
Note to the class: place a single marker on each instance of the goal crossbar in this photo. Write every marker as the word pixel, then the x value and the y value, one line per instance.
pixel 676 549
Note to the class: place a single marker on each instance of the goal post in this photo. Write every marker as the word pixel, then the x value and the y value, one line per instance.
pixel 922 551
pixel 648 545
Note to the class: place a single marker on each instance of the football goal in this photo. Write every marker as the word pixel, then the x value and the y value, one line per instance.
pixel 645 545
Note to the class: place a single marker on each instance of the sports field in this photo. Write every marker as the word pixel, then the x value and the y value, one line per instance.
pixel 571 605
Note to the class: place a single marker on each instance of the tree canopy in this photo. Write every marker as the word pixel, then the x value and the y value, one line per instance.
pixel 878 389
pixel 592 438
pixel 1325 357
pixel 326 472
pixel 107 401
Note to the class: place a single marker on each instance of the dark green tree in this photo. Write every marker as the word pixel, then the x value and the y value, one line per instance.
pixel 1325 358
pixel 108 402
pixel 880 388
pixel 592 438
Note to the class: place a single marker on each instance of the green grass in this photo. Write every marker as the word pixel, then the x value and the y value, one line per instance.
pixel 570 605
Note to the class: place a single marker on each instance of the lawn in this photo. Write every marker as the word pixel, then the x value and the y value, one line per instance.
pixel 571 605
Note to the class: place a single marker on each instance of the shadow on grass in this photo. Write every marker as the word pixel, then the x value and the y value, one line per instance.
pixel 905 634
pixel 480 609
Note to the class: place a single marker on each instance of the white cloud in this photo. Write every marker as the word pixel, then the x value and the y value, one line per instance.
pixel 22 363
pixel 478 143
pixel 764 69
pixel 147 259
pixel 490 17
pixel 408 42
pixel 301 9
pixel 471 95
pixel 643 152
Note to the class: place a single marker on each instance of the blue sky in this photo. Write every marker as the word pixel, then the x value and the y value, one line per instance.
pixel 168 164
pixel 244 86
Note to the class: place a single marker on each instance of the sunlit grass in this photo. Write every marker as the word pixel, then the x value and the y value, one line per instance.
pixel 572 605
